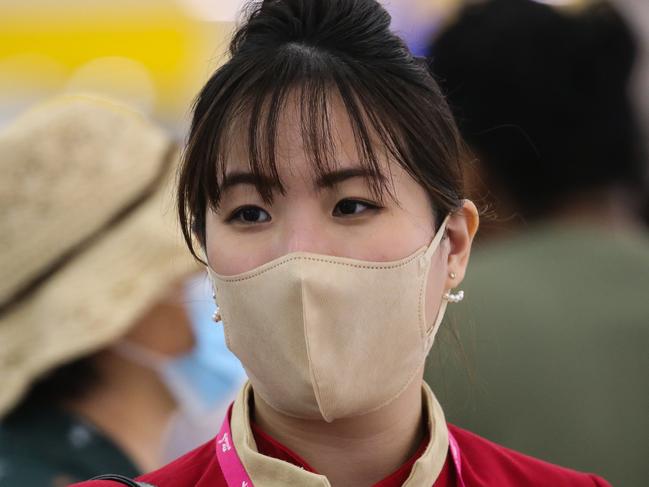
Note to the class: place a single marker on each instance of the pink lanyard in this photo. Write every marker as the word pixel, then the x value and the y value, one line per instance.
pixel 236 476
pixel 457 458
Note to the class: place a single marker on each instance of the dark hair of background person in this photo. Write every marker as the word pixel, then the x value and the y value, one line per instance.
pixel 310 52
pixel 68 382
pixel 541 96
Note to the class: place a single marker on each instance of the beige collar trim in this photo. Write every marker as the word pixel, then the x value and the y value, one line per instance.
pixel 270 472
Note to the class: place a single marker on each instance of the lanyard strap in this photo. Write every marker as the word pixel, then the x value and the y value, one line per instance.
pixel 236 476
pixel 457 458
pixel 231 466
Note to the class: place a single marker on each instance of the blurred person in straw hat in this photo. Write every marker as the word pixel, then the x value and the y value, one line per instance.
pixel 102 318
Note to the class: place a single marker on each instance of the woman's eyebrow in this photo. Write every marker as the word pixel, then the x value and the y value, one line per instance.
pixel 235 178
pixel 331 179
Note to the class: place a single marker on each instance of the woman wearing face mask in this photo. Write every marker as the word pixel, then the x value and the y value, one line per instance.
pixel 103 340
pixel 322 183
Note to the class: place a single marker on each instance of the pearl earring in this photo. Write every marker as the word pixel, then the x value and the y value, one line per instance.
pixel 452 275
pixel 216 317
pixel 454 297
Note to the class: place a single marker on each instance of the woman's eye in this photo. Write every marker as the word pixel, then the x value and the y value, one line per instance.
pixel 352 207
pixel 249 215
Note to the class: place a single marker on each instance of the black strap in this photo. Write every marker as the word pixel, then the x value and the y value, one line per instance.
pixel 122 480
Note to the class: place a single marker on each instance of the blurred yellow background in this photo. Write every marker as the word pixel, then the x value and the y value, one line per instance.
pixel 155 54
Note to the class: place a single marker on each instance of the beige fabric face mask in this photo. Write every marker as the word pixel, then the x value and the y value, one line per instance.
pixel 329 337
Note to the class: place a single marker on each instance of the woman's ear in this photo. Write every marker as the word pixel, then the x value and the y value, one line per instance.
pixel 460 229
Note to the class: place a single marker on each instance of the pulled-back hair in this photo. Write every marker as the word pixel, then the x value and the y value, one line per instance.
pixel 311 51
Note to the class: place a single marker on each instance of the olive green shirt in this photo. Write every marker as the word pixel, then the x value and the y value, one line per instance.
pixel 45 446
pixel 555 333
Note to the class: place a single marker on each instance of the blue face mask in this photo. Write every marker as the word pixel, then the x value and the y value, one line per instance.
pixel 209 372
pixel 203 381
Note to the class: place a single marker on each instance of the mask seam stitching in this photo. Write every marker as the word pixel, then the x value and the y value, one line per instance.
pixel 422 303
pixel 312 372
pixel 358 266
pixel 423 251
pixel 422 318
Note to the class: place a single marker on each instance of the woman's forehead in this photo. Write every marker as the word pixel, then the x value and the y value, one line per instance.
pixel 294 162
pixel 295 130
pixel 303 146
pixel 315 144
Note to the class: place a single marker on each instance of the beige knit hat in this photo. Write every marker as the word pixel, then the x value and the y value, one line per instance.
pixel 88 239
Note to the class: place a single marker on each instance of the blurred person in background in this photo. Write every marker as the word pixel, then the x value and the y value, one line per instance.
pixel 556 319
pixel 107 346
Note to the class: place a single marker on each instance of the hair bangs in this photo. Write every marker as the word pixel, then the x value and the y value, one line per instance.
pixel 254 117
pixel 309 66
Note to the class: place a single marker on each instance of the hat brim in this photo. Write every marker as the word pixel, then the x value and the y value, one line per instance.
pixel 96 298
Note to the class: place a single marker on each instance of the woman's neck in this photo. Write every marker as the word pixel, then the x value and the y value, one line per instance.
pixel 358 451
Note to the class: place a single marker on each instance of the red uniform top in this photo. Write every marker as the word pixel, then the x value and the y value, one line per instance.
pixel 269 446
pixel 483 464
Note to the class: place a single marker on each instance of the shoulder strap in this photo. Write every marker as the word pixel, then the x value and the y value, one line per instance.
pixel 122 480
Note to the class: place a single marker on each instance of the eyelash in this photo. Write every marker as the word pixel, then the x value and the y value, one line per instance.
pixel 238 213
pixel 369 206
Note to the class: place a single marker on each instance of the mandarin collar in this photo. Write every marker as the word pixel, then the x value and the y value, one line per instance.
pixel 266 471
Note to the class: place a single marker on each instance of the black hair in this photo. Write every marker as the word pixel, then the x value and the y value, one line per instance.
pixel 541 97
pixel 319 49
pixel 70 381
